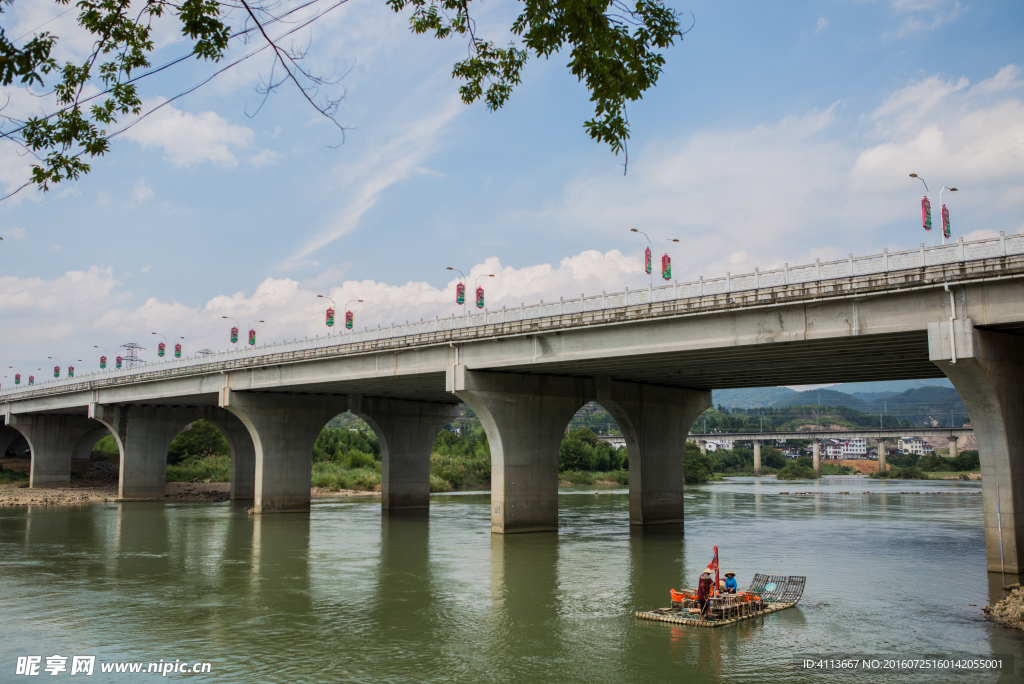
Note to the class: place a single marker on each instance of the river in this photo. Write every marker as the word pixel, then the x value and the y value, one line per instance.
pixel 346 594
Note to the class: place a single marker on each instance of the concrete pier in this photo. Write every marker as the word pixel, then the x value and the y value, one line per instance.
pixel 655 422
pixel 757 457
pixel 52 439
pixel 406 431
pixel 143 434
pixel 816 446
pixel 988 374
pixel 881 455
pixel 953 453
pixel 283 428
pixel 243 452
pixel 524 417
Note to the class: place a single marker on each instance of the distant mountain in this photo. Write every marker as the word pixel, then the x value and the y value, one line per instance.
pixel 755 397
pixel 825 397
pixel 887 388
pixel 924 405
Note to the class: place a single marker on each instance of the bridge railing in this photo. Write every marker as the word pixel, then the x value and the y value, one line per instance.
pixel 819 271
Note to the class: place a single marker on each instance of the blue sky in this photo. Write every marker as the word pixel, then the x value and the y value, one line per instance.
pixel 779 132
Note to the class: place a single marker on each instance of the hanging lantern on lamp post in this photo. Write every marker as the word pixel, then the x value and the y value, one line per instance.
pixel 926 210
pixel 946 232
pixel 103 356
pixel 647 259
pixel 666 267
pixel 71 371
pixel 177 350
pixel 349 316
pixel 666 260
pixel 234 329
pixel 31 379
pixel 926 213
pixel 460 294
pixel 117 362
pixel 56 369
pixel 252 332
pixel 17 376
pixel 330 310
pixel 480 290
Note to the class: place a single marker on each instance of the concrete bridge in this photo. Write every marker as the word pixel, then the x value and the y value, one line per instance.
pixel 951 434
pixel 650 357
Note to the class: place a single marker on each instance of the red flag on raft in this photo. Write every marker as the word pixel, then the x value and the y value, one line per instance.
pixel 713 565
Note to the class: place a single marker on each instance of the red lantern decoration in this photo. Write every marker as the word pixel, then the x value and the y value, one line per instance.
pixel 160 349
pixel 17 378
pixel 666 267
pixel 71 371
pixel 348 320
pixel 945 222
pixel 117 362
pixel 56 371
pixel 252 336
pixel 460 294
pixel 31 379
pixel 234 335
pixel 103 362
pixel 479 297
pixel 647 260
pixel 926 213
pixel 177 351
pixel 330 318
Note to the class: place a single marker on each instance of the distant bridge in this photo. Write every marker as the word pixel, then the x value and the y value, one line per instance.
pixel 650 357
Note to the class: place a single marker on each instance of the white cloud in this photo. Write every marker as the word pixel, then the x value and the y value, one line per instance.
pixel 142 192
pixel 12 233
pixel 823 23
pixel 145 269
pixel 188 139
pixel 924 15
pixel 69 314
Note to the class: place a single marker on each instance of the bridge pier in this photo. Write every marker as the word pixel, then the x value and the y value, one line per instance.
pixel 524 417
pixel 52 439
pixel 655 422
pixel 881 455
pixel 143 434
pixel 406 431
pixel 757 457
pixel 952 447
pixel 283 428
pixel 816 451
pixel 988 375
pixel 243 453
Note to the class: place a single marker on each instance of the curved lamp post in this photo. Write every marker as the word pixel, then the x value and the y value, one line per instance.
pixel 103 357
pixel 56 369
pixel 234 331
pixel 330 311
pixel 460 288
pixel 252 332
pixel 349 317
pixel 17 376
pixel 926 211
pixel 666 264
pixel 480 290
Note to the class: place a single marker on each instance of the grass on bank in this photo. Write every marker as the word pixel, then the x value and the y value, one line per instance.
pixel 12 476
pixel 204 468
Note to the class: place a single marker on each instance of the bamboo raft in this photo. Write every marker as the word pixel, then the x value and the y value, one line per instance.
pixel 767 594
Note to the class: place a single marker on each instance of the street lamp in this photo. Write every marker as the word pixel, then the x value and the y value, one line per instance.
pixel 161 347
pixel 349 318
pixel 480 290
pixel 234 330
pixel 56 369
pixel 460 289
pixel 17 376
pixel 666 261
pixel 252 332
pixel 103 357
pixel 330 311
pixel 926 210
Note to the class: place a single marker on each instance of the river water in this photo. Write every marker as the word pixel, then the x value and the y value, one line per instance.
pixel 346 594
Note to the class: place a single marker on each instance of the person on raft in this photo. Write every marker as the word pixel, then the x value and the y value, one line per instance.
pixel 703 592
pixel 728 585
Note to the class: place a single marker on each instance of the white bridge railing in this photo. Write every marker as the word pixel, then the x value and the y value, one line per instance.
pixel 954 252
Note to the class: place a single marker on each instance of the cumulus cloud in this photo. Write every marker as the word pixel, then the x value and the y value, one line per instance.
pixel 67 315
pixel 142 192
pixel 188 139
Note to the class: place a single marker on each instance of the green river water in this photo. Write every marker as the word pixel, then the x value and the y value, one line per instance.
pixel 346 594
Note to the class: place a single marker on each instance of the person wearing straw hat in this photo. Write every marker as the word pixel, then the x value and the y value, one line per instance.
pixel 728 585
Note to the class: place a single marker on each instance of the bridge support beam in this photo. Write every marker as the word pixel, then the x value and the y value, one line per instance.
pixel 406 431
pixel 83 447
pixel 8 436
pixel 881 455
pixel 52 439
pixel 655 422
pixel 143 434
pixel 243 453
pixel 283 428
pixel 988 375
pixel 524 417
pixel 952 447
pixel 816 451
pixel 757 457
